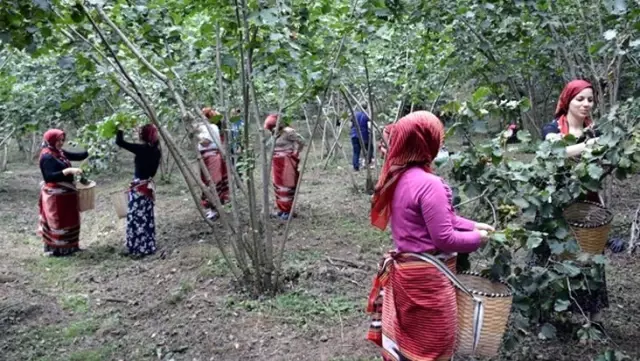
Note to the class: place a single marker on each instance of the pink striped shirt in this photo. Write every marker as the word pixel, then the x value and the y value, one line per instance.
pixel 423 219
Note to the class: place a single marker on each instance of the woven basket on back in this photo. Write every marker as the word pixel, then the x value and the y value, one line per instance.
pixel 497 298
pixel 86 196
pixel 120 201
pixel 590 222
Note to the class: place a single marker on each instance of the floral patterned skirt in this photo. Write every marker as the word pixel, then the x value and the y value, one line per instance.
pixel 141 226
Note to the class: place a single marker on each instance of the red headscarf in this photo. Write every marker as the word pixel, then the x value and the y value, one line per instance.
pixel 209 113
pixel 49 140
pixel 149 134
pixel 569 92
pixel 416 141
pixel 270 122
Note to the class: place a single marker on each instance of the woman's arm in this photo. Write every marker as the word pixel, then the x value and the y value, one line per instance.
pixel 439 221
pixel 551 132
pixel 120 142
pixel 463 224
pixel 52 169
pixel 75 156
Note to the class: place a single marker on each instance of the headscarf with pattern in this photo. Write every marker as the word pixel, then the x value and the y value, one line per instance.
pixel 49 140
pixel 416 140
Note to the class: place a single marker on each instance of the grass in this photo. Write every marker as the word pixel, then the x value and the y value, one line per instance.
pixel 180 293
pixel 95 354
pixel 55 271
pixel 76 303
pixel 63 336
pixel 369 238
pixel 299 307
pixel 85 327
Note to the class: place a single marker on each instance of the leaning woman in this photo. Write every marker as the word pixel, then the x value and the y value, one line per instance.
pixel 59 212
pixel 286 157
pixel 572 117
pixel 141 225
pixel 412 302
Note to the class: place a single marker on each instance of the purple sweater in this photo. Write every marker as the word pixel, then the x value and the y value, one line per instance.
pixel 423 220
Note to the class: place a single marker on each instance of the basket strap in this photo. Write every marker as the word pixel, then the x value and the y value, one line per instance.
pixel 478 305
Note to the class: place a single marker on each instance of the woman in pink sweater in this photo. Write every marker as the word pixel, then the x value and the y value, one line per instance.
pixel 417 317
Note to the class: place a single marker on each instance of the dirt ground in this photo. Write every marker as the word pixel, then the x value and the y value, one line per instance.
pixel 181 303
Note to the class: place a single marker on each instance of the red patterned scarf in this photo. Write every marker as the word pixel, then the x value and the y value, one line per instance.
pixel 415 141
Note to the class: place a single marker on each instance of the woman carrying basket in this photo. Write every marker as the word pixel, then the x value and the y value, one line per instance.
pixel 141 226
pixel 413 304
pixel 572 117
pixel 210 140
pixel 286 157
pixel 58 203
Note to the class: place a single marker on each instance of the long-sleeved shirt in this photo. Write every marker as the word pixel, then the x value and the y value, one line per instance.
pixel 289 140
pixel 147 157
pixel 52 168
pixel 363 122
pixel 204 136
pixel 423 219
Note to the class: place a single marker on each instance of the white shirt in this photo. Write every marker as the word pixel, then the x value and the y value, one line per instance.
pixel 203 135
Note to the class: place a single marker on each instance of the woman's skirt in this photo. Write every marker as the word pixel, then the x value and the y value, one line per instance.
pixel 217 168
pixel 141 225
pixel 413 310
pixel 285 175
pixel 59 218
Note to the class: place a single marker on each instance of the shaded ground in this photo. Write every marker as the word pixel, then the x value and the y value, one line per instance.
pixel 99 305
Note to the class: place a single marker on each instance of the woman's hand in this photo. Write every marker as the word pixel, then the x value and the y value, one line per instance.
pixel 72 171
pixel 484 227
pixel 592 141
pixel 484 237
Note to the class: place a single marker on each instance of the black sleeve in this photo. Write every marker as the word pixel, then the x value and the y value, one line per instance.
pixel 133 148
pixel 52 169
pixel 550 128
pixel 593 132
pixel 75 156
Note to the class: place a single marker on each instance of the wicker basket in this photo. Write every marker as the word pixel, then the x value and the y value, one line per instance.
pixel 590 223
pixel 120 201
pixel 497 298
pixel 86 196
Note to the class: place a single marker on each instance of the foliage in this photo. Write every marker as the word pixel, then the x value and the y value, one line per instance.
pixel 482 63
pixel 530 197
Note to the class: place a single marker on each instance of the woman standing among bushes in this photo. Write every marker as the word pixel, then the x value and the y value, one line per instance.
pixel 572 117
pixel 209 141
pixel 141 227
pixel 414 304
pixel 58 203
pixel 286 157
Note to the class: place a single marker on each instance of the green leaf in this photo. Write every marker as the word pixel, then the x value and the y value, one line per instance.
pixel 480 94
pixel 561 305
pixel 534 241
pixel 600 259
pixel 520 202
pixel 499 237
pixel 548 332
pixel 108 129
pixel 595 171
pixel 561 233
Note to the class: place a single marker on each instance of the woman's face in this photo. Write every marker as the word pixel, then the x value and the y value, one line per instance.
pixel 59 143
pixel 581 104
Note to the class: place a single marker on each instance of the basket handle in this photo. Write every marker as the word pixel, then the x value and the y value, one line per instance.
pixel 478 305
